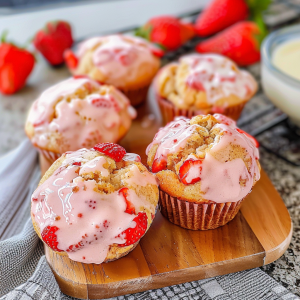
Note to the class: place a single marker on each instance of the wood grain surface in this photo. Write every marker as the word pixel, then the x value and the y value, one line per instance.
pixel 168 254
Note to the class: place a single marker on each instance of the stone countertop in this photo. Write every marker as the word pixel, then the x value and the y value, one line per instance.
pixel 285 177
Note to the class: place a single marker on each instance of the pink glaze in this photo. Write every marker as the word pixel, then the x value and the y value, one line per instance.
pixel 86 216
pixel 81 122
pixel 215 75
pixel 172 137
pixel 127 54
pixel 132 157
pixel 220 181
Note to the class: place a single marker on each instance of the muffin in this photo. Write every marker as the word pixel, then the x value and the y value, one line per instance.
pixel 94 205
pixel 203 84
pixel 205 166
pixel 127 62
pixel 77 113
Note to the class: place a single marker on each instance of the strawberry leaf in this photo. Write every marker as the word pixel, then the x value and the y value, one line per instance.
pixel 144 32
pixel 3 36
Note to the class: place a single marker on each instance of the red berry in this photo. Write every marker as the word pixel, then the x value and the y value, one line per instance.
pixel 16 65
pixel 50 238
pixel 240 42
pixel 166 31
pixel 53 40
pixel 71 59
pixel 219 15
pixel 132 235
pixel 130 209
pixel 186 168
pixel 114 151
pixel 159 164
pixel 157 51
pixel 254 141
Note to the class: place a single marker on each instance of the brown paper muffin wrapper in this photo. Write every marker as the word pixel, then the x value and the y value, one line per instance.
pixel 136 96
pixel 50 156
pixel 197 216
pixel 170 111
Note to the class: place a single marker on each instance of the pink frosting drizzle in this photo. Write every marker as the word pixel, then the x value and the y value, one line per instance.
pixel 126 54
pixel 172 137
pixel 215 75
pixel 220 181
pixel 86 216
pixel 82 122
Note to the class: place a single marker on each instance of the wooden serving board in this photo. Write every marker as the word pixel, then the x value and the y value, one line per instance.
pixel 168 254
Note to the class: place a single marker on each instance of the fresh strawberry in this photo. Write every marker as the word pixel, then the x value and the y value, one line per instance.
pixel 50 238
pixel 132 235
pixel 130 209
pixel 116 152
pixel 219 15
pixel 190 165
pixel 71 59
pixel 166 31
pixel 240 42
pixel 157 51
pixel 53 40
pixel 255 142
pixel 16 65
pixel 159 164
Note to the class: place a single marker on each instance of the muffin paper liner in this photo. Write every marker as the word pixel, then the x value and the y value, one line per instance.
pixel 170 111
pixel 136 96
pixel 197 216
pixel 50 156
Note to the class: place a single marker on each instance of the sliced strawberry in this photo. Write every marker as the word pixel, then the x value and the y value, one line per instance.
pixel 132 235
pixel 159 164
pixel 50 238
pixel 114 151
pixel 71 59
pixel 130 209
pixel 77 163
pixel 190 165
pixel 255 142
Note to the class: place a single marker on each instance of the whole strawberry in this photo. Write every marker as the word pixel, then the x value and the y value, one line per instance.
pixel 219 15
pixel 53 40
pixel 240 42
pixel 166 31
pixel 16 65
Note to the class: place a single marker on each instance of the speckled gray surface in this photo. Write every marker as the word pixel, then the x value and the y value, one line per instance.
pixel 285 177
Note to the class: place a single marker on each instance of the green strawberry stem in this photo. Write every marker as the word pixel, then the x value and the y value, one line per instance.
pixel 144 32
pixel 257 7
pixel 3 36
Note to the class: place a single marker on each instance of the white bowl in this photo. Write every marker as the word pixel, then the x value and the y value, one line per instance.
pixel 282 89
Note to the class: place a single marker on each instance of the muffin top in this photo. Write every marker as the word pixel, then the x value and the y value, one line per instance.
pixel 202 81
pixel 204 159
pixel 77 113
pixel 93 206
pixel 123 61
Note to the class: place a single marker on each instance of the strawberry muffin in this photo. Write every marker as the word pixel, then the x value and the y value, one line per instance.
pixel 203 84
pixel 129 63
pixel 77 113
pixel 205 166
pixel 94 205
